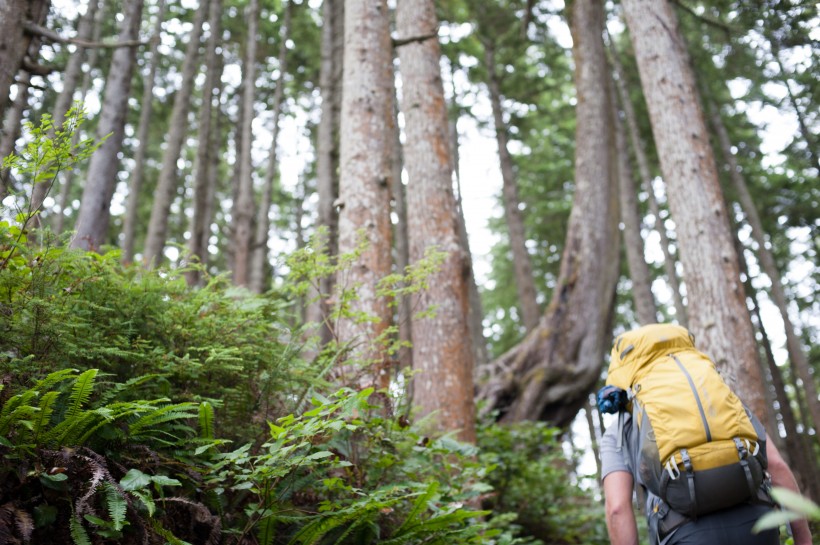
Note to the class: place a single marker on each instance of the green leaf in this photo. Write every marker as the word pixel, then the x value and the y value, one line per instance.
pixel 793 501
pixel 135 480
pixel 267 530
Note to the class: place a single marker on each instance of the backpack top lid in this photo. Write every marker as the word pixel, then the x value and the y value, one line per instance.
pixel 638 348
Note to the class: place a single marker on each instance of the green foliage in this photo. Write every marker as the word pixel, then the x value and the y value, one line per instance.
pixel 343 473
pixel 531 477
pixel 63 449
pixel 793 507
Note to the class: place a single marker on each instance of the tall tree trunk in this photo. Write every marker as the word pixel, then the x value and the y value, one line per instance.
pixel 14 40
pixel 327 150
pixel 198 243
pixel 92 222
pixel 259 258
pixel 404 313
pixel 796 447
pixel 476 315
pixel 71 77
pixel 367 127
pixel 550 373
pixel 639 149
pixel 645 309
pixel 522 264
pixel 718 315
pixel 168 181
pixel 795 348
pixel 93 55
pixel 442 350
pixel 146 110
pixel 12 125
pixel 243 209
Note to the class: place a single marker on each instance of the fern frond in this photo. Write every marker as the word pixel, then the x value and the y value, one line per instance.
pixel 24 524
pixel 267 530
pixel 168 413
pixel 169 537
pixel 116 504
pixel 419 506
pixel 55 378
pixel 15 402
pixel 78 534
pixel 119 388
pixel 43 418
pixel 81 393
pixel 206 420
pixel 69 432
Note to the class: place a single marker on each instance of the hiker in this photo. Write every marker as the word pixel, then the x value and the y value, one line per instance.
pixel 700 459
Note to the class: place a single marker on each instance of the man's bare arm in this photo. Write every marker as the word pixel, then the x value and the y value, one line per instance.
pixel 620 518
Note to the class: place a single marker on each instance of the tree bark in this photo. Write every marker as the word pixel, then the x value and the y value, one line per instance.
pixel 198 243
pixel 92 222
pixel 404 312
pixel 645 309
pixel 259 257
pixel 522 263
pixel 795 348
pixel 168 181
pixel 14 41
pixel 243 209
pixel 71 77
pixel 639 149
pixel 146 110
pixel 442 350
pixel 550 373
pixel 718 315
pixel 12 125
pixel 327 152
pixel 367 126
pixel 93 55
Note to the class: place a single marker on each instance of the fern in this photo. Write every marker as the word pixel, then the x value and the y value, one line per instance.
pixel 55 378
pixel 43 418
pixel 267 530
pixel 116 505
pixel 78 533
pixel 419 506
pixel 81 393
pixel 206 420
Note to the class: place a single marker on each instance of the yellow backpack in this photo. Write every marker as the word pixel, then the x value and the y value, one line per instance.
pixel 700 449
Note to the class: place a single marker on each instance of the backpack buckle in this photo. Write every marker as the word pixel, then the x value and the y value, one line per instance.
pixel 672 468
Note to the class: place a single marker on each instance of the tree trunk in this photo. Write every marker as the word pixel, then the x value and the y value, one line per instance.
pixel 795 348
pixel 796 446
pixel 367 126
pixel 168 181
pixel 93 55
pixel 645 309
pixel 327 151
pixel 243 209
pixel 71 77
pixel 522 263
pixel 550 373
pixel 404 312
pixel 639 148
pixel 12 125
pixel 198 243
pixel 14 41
pixel 718 315
pixel 476 315
pixel 442 350
pixel 259 258
pixel 146 110
pixel 92 222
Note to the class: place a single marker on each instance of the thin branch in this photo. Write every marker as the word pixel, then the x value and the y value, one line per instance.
pixel 728 30
pixel 34 28
pixel 398 42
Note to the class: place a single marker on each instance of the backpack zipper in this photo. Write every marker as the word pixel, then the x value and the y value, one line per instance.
pixel 697 398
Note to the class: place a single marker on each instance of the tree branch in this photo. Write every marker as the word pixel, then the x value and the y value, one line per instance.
pixel 34 28
pixel 398 42
pixel 728 30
